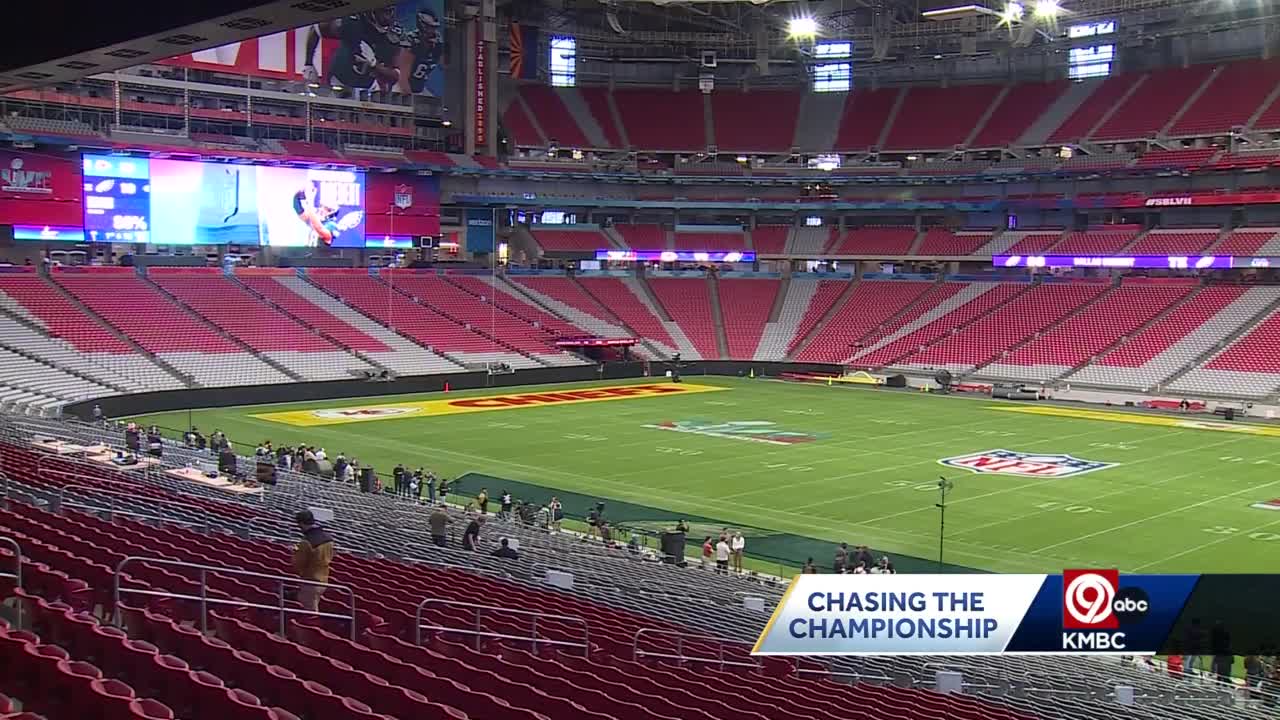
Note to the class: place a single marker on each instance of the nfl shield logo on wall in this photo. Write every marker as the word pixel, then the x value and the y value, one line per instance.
pixel 404 196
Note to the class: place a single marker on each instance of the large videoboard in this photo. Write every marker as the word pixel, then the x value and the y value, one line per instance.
pixel 175 202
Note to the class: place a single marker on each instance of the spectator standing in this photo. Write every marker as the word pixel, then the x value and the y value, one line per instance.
pixel 506 505
pixel 506 551
pixel 444 490
pixel 155 443
pixel 415 490
pixel 809 568
pixel 1220 646
pixel 428 479
pixel 860 569
pixel 482 501
pixel 543 518
pixel 738 546
pixel 398 478
pixel 311 559
pixel 1253 674
pixel 97 413
pixel 1193 646
pixel 722 555
pixel 1173 664
pixel 841 560
pixel 557 513
pixel 864 556
pixel 593 522
pixel 439 523
pixel 133 438
pixel 708 553
pixel 471 536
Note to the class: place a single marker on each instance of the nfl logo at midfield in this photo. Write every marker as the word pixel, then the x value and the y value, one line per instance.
pixel 1020 464
pixel 404 196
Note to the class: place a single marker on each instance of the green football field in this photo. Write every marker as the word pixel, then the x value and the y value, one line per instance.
pixel 1158 493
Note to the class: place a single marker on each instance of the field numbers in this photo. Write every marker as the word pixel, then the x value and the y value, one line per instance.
pixel 585 438
pixel 678 451
pixel 1227 530
pixel 784 467
pixel 1113 446
pixel 1234 459
pixel 1073 509
pixel 889 421
pixel 506 426
pixel 908 485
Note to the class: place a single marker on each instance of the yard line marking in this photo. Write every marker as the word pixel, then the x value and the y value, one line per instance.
pixel 1202 546
pixel 1157 515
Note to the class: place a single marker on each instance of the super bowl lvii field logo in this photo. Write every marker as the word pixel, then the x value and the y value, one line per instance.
pixel 1020 464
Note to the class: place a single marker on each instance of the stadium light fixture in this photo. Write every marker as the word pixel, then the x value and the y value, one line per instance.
pixel 802 27
pixel 1047 9
pixel 955 13
pixel 1013 12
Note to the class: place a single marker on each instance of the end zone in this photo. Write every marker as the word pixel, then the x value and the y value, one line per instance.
pixel 481 403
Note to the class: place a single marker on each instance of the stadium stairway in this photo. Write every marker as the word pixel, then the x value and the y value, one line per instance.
pixel 952 314
pixel 829 296
pixel 642 291
pixel 717 315
pixel 564 297
pixel 619 299
pixel 869 305
pixel 688 303
pixel 793 300
pixel 1247 366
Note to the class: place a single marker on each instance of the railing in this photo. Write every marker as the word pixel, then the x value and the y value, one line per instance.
pixel 17 571
pixel 205 601
pixel 478 634
pixel 112 510
pixel 873 678
pixel 637 653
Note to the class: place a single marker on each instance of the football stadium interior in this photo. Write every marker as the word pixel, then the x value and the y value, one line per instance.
pixel 436 359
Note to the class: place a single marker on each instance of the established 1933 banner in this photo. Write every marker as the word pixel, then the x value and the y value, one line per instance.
pixel 1079 611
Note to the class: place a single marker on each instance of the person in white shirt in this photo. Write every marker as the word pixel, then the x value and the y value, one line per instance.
pixel 737 545
pixel 320 455
pixel 722 556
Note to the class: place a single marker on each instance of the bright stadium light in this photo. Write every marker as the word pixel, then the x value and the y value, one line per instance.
pixel 1013 12
pixel 1047 9
pixel 802 27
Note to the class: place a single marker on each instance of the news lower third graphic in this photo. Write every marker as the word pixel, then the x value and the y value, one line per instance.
pixel 1078 612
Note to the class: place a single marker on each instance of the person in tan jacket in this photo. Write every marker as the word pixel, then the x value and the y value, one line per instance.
pixel 311 559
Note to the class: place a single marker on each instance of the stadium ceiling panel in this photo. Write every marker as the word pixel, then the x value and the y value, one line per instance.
pixel 52 43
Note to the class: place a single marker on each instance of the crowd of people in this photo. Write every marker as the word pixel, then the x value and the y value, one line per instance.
pixel 858 561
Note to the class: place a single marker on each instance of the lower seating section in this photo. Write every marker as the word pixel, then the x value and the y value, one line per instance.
pixel 614 294
pixel 145 315
pixel 875 241
pixel 745 307
pixel 1249 367
pixel 415 321
pixel 478 316
pixel 261 327
pixel 688 302
pixel 1088 332
pixel 580 241
pixel 1013 322
pixel 871 303
pixel 1187 332
pixel 960 307
pixel 564 296
pixel 1102 241
pixel 825 295
pixel 770 239
pixel 1174 242
pixel 944 242
pixel 35 388
pixel 489 289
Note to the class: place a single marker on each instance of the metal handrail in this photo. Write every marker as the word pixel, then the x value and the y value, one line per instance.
pixel 418 627
pixel 203 524
pixel 205 600
pixel 17 571
pixel 637 653
pixel 842 674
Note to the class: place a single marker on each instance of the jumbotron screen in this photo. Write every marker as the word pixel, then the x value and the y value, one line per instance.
pixel 174 202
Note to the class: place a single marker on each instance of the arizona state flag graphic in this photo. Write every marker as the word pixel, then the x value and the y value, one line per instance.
pixel 524 52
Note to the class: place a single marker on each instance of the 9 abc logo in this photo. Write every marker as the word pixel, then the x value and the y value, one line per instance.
pixel 1094 600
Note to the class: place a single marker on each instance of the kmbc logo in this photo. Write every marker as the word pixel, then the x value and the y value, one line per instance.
pixel 1094 600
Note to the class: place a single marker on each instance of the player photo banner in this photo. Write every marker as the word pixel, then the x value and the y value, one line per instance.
pixel 1080 611
pixel 399 48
